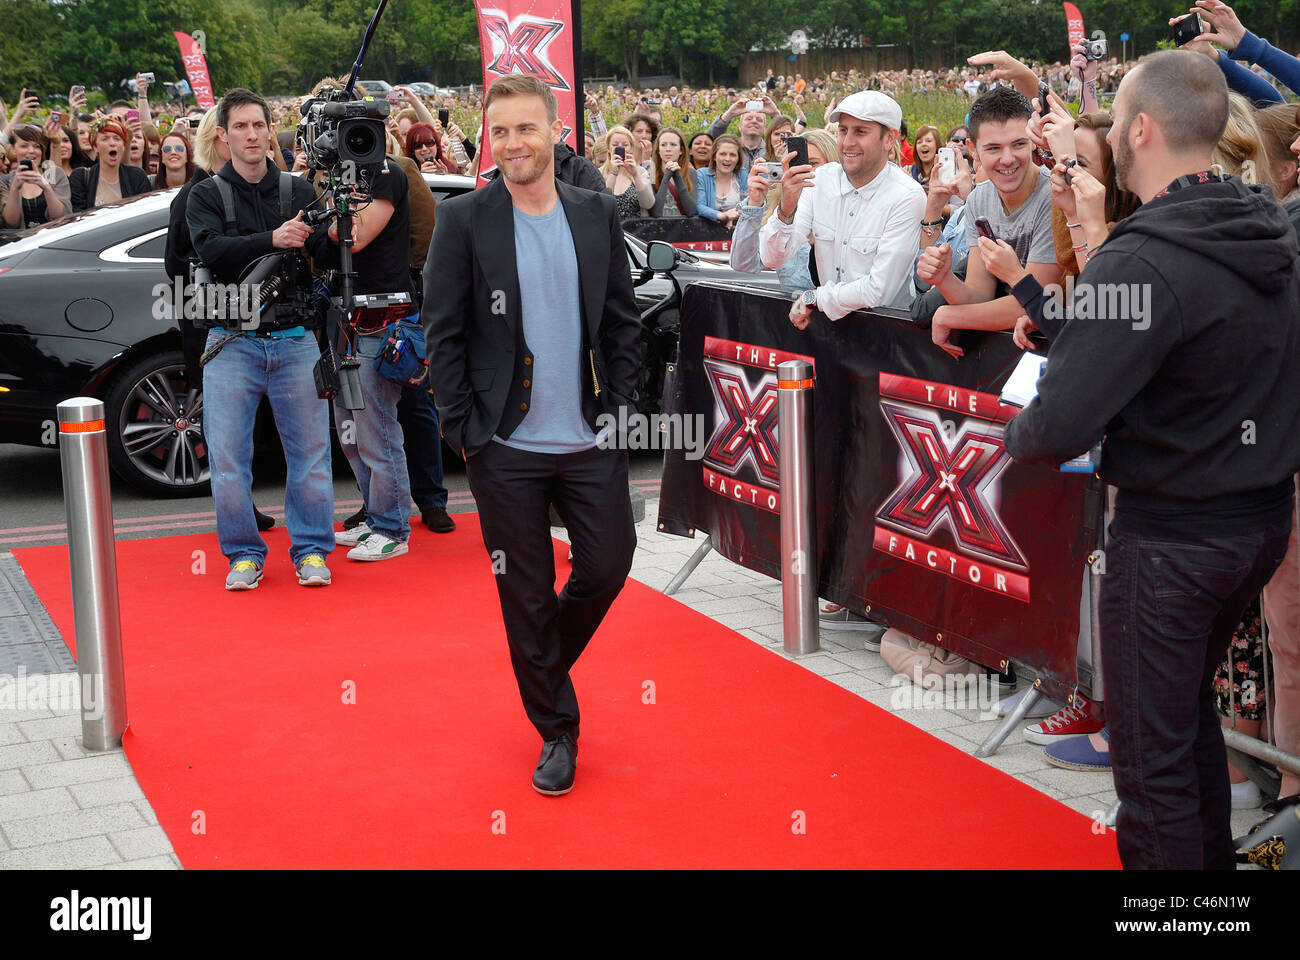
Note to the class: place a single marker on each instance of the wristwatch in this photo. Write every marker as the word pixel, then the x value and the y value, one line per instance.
pixel 807 297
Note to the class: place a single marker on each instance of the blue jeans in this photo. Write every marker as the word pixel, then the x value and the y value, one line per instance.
pixel 373 446
pixel 234 382
pixel 1167 612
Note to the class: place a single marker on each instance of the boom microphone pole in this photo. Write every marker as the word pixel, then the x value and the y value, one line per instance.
pixel 365 44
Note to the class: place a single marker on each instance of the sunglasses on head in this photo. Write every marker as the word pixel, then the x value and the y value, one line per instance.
pixel 173 148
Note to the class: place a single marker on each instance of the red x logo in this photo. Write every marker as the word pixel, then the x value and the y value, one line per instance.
pixel 521 47
pixel 949 482
pixel 748 431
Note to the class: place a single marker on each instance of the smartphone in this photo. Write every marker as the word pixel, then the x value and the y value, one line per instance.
pixel 798 146
pixel 1186 29
pixel 1043 91
pixel 25 163
pixel 655 101
pixel 754 105
pixel 132 115
pixel 945 165
pixel 982 225
pixel 620 151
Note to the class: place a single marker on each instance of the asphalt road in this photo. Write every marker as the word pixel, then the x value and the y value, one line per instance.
pixel 31 498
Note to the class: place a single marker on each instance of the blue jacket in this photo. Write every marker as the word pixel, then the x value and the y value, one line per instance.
pixel 1280 64
pixel 706 191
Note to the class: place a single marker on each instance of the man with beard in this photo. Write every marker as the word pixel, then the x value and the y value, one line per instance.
pixel 863 212
pixel 525 353
pixel 1200 420
pixel 1016 203
pixel 110 179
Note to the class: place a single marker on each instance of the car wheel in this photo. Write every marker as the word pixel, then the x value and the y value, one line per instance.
pixel 155 428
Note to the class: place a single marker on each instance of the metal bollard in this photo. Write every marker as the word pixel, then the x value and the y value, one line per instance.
pixel 794 382
pixel 92 556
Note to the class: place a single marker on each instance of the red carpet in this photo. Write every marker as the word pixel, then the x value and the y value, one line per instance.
pixel 238 725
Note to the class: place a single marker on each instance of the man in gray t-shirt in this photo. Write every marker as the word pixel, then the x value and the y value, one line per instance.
pixel 1016 204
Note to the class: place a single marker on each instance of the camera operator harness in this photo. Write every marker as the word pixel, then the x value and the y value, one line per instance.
pixel 272 296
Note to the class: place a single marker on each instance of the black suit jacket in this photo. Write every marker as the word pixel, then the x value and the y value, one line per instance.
pixel 479 364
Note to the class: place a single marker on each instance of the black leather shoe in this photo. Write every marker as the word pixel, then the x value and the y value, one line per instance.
pixel 554 774
pixel 437 520
pixel 355 520
pixel 264 520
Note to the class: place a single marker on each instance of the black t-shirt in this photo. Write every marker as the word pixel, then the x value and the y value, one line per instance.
pixel 383 266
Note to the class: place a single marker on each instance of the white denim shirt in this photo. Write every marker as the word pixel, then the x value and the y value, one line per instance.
pixel 864 239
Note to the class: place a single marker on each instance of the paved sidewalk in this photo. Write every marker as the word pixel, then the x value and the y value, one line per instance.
pixel 61 807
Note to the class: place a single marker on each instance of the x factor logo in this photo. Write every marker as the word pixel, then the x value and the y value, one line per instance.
pixel 747 433
pixel 519 46
pixel 949 480
pixel 740 461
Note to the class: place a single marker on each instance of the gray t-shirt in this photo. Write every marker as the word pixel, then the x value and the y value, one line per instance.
pixel 1028 229
pixel 552 318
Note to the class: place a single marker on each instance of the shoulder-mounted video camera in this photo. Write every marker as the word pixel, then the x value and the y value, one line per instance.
pixel 344 134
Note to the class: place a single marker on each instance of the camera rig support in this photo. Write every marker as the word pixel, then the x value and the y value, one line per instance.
pixel 345 140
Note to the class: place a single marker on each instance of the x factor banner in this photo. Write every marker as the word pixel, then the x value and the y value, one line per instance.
pixel 536 38
pixel 921 515
pixel 196 68
pixel 690 233
pixel 1074 23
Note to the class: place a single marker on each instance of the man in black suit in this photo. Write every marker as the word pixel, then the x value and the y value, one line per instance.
pixel 533 333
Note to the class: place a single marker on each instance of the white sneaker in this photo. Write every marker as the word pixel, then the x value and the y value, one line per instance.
pixel 350 538
pixel 376 546
pixel 1245 795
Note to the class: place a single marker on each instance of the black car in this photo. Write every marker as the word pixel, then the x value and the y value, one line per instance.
pixel 83 313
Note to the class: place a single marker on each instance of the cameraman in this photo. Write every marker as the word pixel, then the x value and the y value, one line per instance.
pixel 275 362
pixel 372 438
pixel 381 259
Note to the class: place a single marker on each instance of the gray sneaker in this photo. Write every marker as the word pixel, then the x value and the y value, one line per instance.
pixel 845 619
pixel 244 575
pixel 312 572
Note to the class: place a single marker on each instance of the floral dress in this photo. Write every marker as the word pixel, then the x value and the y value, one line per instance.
pixel 1246 654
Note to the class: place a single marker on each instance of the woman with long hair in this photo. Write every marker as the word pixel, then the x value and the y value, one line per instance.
pixel 152 154
pixel 37 188
pixel 774 139
pixel 176 166
pixel 674 184
pixel 424 146
pixel 925 147
pixel 65 147
pixel 723 185
pixel 626 179
pixel 1280 128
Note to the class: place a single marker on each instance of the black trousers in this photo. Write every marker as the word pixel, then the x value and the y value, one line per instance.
pixel 1167 612
pixel 423 447
pixel 548 632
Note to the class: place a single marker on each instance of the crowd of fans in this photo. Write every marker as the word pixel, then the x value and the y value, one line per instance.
pixel 1036 171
